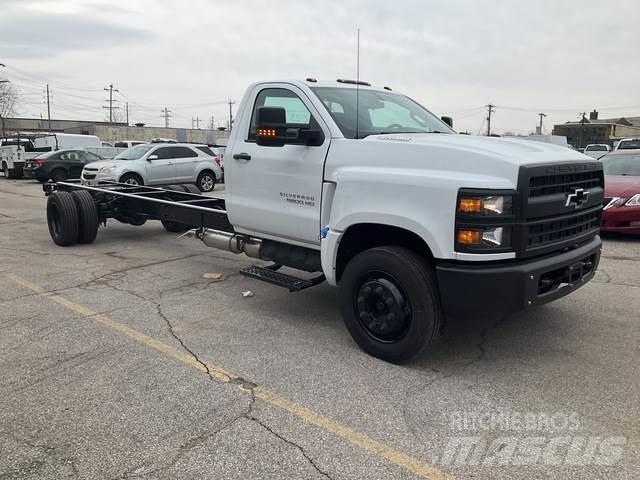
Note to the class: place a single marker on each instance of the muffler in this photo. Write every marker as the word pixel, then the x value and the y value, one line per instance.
pixel 230 242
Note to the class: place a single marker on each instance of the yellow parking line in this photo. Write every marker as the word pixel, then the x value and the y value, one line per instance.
pixel 394 456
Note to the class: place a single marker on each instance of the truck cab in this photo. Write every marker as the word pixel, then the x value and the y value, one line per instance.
pixel 355 172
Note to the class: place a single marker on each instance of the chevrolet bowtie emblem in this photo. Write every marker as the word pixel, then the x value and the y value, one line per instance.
pixel 577 198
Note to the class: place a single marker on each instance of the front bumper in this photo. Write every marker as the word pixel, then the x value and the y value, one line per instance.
pixel 467 289
pixel 94 179
pixel 623 219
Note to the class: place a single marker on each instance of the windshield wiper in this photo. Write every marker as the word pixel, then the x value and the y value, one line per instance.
pixel 364 135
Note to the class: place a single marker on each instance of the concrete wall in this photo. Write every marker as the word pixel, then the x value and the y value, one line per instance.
pixel 116 133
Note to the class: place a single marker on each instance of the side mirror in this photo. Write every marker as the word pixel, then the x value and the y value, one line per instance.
pixel 272 130
pixel 447 120
pixel 152 157
pixel 271 126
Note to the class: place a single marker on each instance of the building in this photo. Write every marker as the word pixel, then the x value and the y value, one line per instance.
pixel 595 130
pixel 113 132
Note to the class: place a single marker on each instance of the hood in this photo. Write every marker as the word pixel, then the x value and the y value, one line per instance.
pixel 517 151
pixel 625 186
pixel 103 163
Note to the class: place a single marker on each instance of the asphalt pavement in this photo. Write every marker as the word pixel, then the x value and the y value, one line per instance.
pixel 138 356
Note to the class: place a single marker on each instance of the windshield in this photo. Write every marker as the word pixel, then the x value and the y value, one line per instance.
pixel 621 164
pixel 133 153
pixel 629 145
pixel 596 148
pixel 379 112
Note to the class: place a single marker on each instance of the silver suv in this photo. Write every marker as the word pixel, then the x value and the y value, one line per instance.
pixel 157 164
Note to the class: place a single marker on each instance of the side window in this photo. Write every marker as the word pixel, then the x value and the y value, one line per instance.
pixel 297 114
pixel 71 156
pixel 120 145
pixel 163 153
pixel 182 152
pixel 92 157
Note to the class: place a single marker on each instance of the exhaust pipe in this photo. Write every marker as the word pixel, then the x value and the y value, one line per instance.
pixel 230 242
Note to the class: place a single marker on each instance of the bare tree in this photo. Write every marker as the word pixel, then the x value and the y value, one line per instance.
pixel 8 99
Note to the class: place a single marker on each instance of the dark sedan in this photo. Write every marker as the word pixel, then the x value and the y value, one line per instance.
pixel 59 165
pixel 622 192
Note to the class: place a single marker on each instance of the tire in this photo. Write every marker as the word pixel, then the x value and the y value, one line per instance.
pixel 62 218
pixel 177 227
pixel 87 216
pixel 59 175
pixel 190 188
pixel 131 179
pixel 174 227
pixel 206 181
pixel 390 302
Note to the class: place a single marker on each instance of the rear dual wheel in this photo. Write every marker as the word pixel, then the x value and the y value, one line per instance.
pixel 72 217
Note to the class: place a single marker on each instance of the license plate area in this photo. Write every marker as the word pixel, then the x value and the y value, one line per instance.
pixel 567 276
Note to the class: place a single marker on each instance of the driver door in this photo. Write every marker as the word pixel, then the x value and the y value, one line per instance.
pixel 275 192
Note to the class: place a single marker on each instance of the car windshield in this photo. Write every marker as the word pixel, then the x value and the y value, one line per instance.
pixel 378 112
pixel 596 148
pixel 621 164
pixel 629 144
pixel 133 153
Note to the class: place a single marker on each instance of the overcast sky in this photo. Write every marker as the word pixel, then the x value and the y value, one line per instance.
pixel 454 56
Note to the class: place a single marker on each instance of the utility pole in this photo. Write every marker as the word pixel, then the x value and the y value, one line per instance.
pixel 166 114
pixel 48 108
pixel 582 120
pixel 490 112
pixel 211 123
pixel 231 102
pixel 126 106
pixel 195 121
pixel 542 115
pixel 110 89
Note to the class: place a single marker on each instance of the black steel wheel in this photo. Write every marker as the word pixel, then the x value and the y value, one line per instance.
pixel 390 302
pixel 87 216
pixel 62 218
pixel 206 181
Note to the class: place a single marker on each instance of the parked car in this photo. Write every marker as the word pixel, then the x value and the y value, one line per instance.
pixel 59 165
pixel 628 144
pixel 216 153
pixel 597 150
pixel 621 211
pixel 128 143
pixel 156 164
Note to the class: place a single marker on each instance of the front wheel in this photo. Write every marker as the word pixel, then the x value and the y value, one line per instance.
pixel 390 302
pixel 131 179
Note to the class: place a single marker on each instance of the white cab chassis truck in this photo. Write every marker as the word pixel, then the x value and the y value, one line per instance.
pixel 366 189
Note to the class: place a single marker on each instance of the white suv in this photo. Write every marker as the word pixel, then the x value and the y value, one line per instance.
pixel 156 164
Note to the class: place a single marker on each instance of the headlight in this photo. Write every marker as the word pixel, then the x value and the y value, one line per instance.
pixel 488 238
pixel 634 201
pixel 485 205
pixel 108 169
pixel 484 221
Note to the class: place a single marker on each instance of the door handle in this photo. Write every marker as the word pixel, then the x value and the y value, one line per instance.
pixel 241 156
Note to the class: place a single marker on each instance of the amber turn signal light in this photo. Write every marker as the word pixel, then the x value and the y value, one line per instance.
pixel 470 205
pixel 469 237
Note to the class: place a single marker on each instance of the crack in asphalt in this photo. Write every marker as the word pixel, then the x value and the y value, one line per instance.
pixel 244 385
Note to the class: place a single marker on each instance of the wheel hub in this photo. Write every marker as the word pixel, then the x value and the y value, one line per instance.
pixel 382 308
